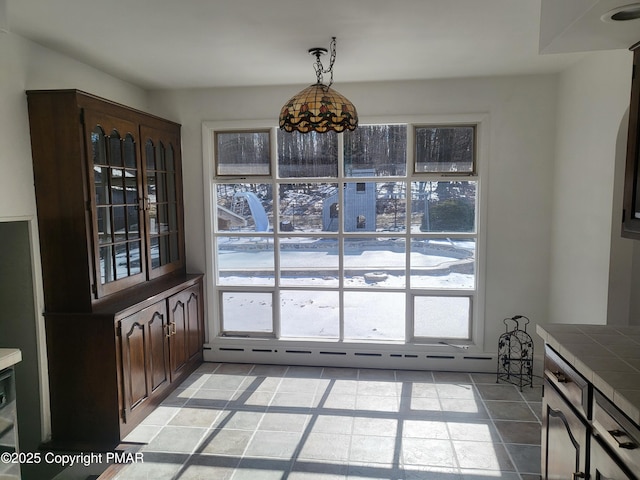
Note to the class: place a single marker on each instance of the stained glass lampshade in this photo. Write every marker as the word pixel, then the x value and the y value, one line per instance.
pixel 320 109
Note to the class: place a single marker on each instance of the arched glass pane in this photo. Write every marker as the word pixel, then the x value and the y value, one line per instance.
pixel 100 172
pixel 99 148
pixel 169 158
pixel 150 155
pixel 129 146
pixel 160 157
pixel 115 149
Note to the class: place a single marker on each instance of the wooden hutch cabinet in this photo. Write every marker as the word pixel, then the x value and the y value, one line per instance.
pixel 124 321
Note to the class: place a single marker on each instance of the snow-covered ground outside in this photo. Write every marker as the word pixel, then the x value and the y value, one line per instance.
pixel 369 312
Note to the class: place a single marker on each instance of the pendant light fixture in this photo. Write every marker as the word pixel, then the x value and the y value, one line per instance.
pixel 319 108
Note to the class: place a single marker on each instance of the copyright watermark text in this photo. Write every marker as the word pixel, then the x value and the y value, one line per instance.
pixel 70 459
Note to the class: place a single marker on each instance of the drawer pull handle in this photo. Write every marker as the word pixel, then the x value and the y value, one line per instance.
pixel 577 475
pixel 616 434
pixel 560 377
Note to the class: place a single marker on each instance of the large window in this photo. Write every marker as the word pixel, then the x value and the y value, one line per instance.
pixel 366 236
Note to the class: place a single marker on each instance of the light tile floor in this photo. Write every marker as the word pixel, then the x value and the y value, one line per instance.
pixel 255 422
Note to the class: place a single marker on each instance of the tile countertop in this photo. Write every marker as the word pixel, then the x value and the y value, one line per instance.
pixel 607 356
pixel 9 357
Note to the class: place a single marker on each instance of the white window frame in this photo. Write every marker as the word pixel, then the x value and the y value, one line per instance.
pixel 476 345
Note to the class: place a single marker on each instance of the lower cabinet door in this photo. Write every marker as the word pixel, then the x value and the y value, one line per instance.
pixel 145 356
pixel 185 325
pixel 564 438
pixel 604 466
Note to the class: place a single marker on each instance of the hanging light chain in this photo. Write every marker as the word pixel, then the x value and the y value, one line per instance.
pixel 320 70
pixel 332 59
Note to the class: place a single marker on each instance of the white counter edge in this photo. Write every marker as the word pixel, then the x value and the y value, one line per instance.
pixel 9 357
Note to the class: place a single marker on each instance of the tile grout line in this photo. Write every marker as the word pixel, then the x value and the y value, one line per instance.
pixel 210 428
pixel 318 386
pixel 495 428
pixel 446 424
pixel 255 430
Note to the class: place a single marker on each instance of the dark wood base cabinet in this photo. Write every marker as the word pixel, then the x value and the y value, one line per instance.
pixel 584 436
pixel 108 370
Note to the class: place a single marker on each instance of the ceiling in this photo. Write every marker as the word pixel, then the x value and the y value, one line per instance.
pixel 160 44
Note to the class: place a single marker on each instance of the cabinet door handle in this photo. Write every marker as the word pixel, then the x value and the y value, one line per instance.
pixel 576 475
pixel 168 334
pixel 560 377
pixel 173 328
pixel 617 433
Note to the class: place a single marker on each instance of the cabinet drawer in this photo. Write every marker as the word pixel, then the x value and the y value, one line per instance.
pixel 616 431
pixel 567 380
pixel 604 466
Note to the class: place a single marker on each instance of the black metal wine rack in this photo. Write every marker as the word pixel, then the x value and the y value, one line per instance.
pixel 515 353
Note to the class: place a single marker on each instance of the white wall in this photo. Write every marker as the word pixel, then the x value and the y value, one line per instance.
pixel 593 98
pixel 26 66
pixel 521 112
pixel 23 66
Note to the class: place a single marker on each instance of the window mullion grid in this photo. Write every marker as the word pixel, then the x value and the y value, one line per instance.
pixel 470 293
pixel 341 181
pixel 275 302
pixel 409 313
pixel 340 234
pixel 275 182
pixel 410 163
pixel 476 235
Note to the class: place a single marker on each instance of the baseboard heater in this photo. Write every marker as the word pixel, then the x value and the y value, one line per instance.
pixel 450 361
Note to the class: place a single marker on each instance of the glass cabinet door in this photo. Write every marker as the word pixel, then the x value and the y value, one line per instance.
pixel 162 199
pixel 115 185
